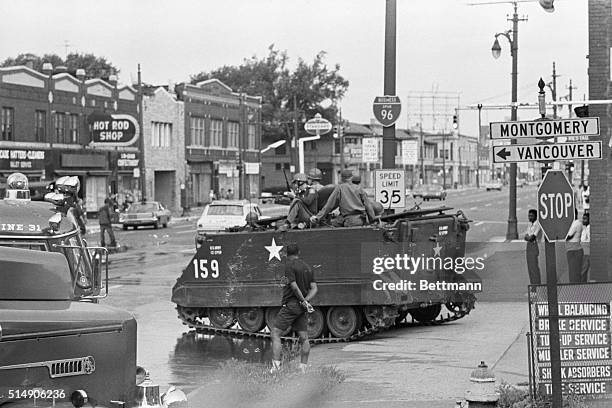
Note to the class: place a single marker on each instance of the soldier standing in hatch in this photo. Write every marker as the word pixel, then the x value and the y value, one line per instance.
pixel 300 280
pixel 351 200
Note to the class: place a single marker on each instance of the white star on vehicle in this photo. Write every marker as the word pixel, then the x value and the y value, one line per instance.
pixel 274 250
pixel 437 249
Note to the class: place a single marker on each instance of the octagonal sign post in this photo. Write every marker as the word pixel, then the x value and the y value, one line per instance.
pixel 556 205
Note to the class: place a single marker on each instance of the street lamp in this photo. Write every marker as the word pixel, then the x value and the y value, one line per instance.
pixel 512 37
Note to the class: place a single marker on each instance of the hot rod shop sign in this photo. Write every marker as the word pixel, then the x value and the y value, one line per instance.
pixel 113 130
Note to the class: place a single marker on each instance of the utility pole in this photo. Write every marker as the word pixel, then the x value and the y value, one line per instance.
pixel 143 184
pixel 553 89
pixel 389 80
pixel 422 154
pixel 478 145
pixel 341 138
pixel 294 145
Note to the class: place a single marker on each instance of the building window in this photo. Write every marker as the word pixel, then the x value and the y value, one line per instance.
pixel 216 133
pixel 162 134
pixel 287 166
pixel 8 123
pixel 59 123
pixel 74 128
pixel 336 147
pixel 197 126
pixel 281 150
pixel 252 142
pixel 313 145
pixel 279 166
pixel 233 134
pixel 40 125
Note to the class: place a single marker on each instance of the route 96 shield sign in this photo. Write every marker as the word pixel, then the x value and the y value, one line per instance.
pixel 387 109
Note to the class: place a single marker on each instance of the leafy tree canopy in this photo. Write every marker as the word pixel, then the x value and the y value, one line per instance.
pixel 311 85
pixel 95 67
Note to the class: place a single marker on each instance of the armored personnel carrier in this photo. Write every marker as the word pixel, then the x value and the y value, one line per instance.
pixel 369 277
pixel 56 351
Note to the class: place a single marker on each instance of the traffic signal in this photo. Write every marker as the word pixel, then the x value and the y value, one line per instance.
pixel 455 122
pixel 582 111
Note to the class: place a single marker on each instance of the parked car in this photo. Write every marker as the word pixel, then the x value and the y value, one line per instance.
pixel 222 214
pixel 151 213
pixel 494 185
pixel 266 197
pixel 521 182
pixel 428 192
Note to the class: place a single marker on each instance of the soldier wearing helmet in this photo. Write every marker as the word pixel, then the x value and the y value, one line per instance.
pixel 304 204
pixel 351 200
pixel 314 176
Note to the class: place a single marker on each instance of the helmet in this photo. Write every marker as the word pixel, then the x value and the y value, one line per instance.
pixel 252 217
pixel 315 174
pixel 300 177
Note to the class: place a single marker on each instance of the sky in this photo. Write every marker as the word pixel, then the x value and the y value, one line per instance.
pixel 443 46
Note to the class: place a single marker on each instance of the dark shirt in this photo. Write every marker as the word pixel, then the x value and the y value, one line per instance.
pixel 104 215
pixel 299 272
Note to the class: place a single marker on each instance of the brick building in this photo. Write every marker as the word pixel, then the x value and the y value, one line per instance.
pixel 164 147
pixel 45 131
pixel 222 130
pixel 600 175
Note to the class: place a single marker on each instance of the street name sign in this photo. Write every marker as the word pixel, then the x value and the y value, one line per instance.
pixel 555 205
pixel 387 109
pixel 547 152
pixel 369 150
pixel 317 125
pixel 545 128
pixel 390 188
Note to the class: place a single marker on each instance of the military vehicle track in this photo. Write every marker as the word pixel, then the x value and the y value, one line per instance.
pixel 359 334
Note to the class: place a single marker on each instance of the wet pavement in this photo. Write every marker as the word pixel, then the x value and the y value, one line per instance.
pixel 141 280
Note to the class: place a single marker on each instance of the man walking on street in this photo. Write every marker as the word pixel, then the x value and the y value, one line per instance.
pixel 533 236
pixel 300 280
pixel 574 250
pixel 585 242
pixel 104 218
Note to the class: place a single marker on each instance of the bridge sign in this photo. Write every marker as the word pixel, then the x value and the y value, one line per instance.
pixel 547 152
pixel 387 109
pixel 555 205
pixel 317 125
pixel 544 129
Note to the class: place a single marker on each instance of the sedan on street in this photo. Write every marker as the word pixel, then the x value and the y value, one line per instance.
pixel 151 213
pixel 494 185
pixel 219 215
pixel 429 192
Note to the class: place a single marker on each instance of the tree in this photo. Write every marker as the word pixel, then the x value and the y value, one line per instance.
pixel 269 77
pixel 95 67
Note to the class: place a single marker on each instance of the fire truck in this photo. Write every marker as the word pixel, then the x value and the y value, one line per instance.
pixel 58 346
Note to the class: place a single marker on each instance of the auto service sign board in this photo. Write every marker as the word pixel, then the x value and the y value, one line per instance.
pixel 387 109
pixel 555 205
pixel 410 155
pixel 113 130
pixel 390 188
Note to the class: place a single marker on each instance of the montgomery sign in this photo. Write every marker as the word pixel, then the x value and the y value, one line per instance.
pixel 545 128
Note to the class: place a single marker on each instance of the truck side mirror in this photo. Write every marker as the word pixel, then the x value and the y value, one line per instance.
pixel 99 263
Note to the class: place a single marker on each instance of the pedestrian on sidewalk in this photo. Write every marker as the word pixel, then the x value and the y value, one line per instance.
pixel 104 218
pixel 574 250
pixel 585 242
pixel 586 197
pixel 533 236
pixel 300 280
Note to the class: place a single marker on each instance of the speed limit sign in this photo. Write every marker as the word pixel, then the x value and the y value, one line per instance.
pixel 390 188
pixel 387 109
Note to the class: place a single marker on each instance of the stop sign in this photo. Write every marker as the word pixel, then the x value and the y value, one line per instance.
pixel 555 205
